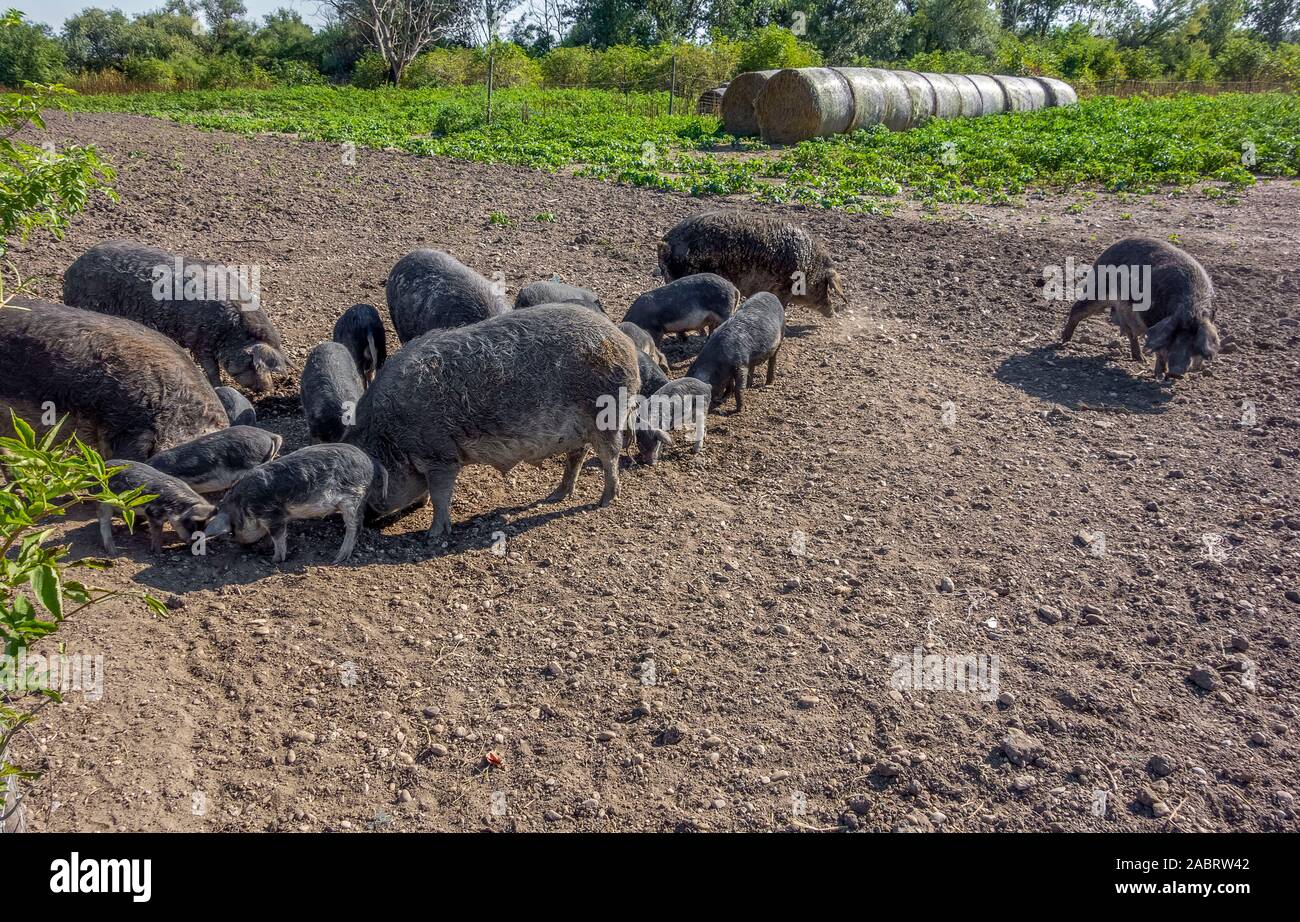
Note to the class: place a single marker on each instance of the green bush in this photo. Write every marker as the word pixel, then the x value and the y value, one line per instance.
pixel 948 62
pixel 622 67
pixel 511 66
pixel 370 72
pixel 149 72
pixel 1141 63
pixel 699 67
pixel 1026 58
pixel 774 47
pixel 29 54
pixel 294 73
pixel 1244 57
pixel 566 66
pixel 439 67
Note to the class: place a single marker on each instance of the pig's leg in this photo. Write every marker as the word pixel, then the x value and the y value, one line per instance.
pixel 1134 350
pixel 351 521
pixel 738 385
pixel 155 534
pixel 208 362
pixel 771 366
pixel 608 446
pixel 280 541
pixel 1162 367
pixel 1081 311
pixel 572 464
pixel 106 528
pixel 441 480
pixel 753 375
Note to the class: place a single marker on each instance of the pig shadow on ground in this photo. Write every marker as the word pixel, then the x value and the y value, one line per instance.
pixel 799 330
pixel 1077 381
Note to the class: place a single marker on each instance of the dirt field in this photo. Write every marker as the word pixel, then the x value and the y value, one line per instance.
pixel 719 649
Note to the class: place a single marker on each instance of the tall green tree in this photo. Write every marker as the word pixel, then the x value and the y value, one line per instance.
pixel 1274 20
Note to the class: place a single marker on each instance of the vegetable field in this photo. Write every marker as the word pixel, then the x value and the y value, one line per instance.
pixel 1121 145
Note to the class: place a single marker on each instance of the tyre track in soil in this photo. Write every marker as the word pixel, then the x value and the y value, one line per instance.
pixel 365 696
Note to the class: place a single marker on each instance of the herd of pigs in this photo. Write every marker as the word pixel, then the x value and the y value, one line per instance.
pixel 139 375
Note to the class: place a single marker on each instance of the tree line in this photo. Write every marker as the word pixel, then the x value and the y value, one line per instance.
pixel 633 44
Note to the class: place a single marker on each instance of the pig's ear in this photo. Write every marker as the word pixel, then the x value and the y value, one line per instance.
pixel 1158 336
pixel 837 285
pixel 267 360
pixel 1207 339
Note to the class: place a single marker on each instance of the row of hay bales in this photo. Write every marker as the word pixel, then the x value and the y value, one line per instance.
pixel 795 104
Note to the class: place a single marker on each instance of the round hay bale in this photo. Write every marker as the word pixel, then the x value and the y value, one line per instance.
pixel 896 111
pixel 971 102
pixel 1018 98
pixel 993 99
pixel 738 102
pixel 801 103
pixel 922 95
pixel 947 99
pixel 710 101
pixel 1037 93
pixel 1059 93
pixel 870 102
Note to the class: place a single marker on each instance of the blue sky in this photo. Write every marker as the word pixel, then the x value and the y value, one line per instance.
pixel 53 12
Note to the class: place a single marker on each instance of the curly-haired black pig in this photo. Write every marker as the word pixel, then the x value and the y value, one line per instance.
pixel 173 501
pixel 431 290
pixel 731 356
pixel 310 483
pixel 238 410
pixel 1154 289
pixel 212 310
pixel 696 302
pixel 217 461
pixel 362 332
pixel 522 387
pixel 331 388
pixel 679 404
pixel 756 253
pixel 127 390
pixel 556 292
pixel 644 342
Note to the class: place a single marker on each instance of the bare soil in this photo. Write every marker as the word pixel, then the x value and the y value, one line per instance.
pixel 716 650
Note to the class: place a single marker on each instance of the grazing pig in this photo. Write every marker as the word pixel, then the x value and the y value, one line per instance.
pixel 238 410
pixel 1154 289
pixel 556 292
pixel 430 290
pixel 697 302
pixel 522 387
pixel 128 391
pixel 331 389
pixel 732 354
pixel 217 461
pixel 309 483
pixel 361 330
pixel 173 501
pixel 757 253
pixel 208 308
pixel 652 378
pixel 680 404
pixel 644 342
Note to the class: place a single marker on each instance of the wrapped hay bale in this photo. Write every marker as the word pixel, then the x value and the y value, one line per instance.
pixel 738 102
pixel 922 95
pixel 972 104
pixel 801 103
pixel 710 101
pixel 947 99
pixel 993 99
pixel 1017 93
pixel 1037 93
pixel 1059 93
pixel 871 99
pixel 895 101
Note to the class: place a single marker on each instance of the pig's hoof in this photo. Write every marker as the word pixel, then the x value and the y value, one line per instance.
pixel 558 496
